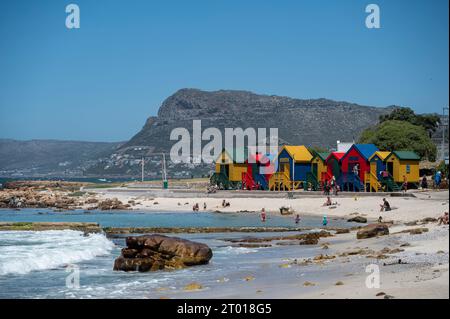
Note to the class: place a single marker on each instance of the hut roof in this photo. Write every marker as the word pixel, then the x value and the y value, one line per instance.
pixel 381 154
pixel 299 152
pixel 366 150
pixel 407 155
pixel 337 155
pixel 322 155
pixel 234 154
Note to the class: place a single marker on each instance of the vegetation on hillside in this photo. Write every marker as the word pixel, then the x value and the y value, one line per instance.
pixel 429 122
pixel 398 135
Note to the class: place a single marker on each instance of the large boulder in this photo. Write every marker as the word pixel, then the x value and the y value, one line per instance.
pixel 155 252
pixel 372 230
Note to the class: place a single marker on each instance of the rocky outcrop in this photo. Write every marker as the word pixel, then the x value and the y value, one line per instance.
pixel 358 219
pixel 156 252
pixel 372 230
pixel 113 204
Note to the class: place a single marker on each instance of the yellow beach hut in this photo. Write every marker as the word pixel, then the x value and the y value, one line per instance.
pixel 318 169
pixel 401 164
pixel 229 167
pixel 294 162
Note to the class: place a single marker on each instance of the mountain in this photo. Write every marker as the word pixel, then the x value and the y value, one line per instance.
pixel 312 122
pixel 50 156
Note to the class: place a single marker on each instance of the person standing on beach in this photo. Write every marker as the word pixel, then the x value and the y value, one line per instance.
pixel 324 220
pixel 405 184
pixel 297 219
pixel 437 179
pixel 424 183
pixel 263 215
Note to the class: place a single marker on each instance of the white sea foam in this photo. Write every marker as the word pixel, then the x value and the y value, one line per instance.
pixel 24 251
pixel 229 250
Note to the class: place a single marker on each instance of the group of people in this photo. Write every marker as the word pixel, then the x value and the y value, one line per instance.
pixel 196 207
pixel 331 186
pixel 437 178
pixel 328 202
pixel 297 218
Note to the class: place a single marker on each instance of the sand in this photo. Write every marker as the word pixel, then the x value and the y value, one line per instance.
pixel 422 274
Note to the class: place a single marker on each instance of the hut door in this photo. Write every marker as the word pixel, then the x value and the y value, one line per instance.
pixel 225 169
pixel 335 168
pixel 314 170
pixel 390 168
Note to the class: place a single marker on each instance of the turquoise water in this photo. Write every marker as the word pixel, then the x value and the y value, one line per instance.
pixel 146 219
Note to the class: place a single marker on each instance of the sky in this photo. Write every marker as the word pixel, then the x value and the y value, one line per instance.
pixel 102 81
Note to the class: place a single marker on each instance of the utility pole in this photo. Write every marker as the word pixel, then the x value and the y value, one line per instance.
pixel 444 125
pixel 164 171
pixel 142 169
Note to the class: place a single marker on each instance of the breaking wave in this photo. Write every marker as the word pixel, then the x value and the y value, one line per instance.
pixel 24 251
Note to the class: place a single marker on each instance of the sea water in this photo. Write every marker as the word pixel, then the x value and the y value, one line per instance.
pixel 37 264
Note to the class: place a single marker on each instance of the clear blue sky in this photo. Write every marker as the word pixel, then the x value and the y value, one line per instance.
pixel 102 81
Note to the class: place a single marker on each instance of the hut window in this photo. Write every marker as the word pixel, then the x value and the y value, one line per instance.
pixel 408 169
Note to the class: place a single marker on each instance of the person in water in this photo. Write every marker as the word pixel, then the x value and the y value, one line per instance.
pixel 324 220
pixel 297 219
pixel 385 206
pixel 263 215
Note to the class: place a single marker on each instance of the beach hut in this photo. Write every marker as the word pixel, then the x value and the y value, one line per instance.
pixel 229 168
pixel 403 164
pixel 375 178
pixel 318 169
pixel 356 158
pixel 260 168
pixel 333 163
pixel 294 163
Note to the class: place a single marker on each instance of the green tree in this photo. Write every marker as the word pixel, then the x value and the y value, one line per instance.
pixel 429 122
pixel 394 135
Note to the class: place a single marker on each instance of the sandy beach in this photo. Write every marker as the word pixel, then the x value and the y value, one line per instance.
pixel 421 273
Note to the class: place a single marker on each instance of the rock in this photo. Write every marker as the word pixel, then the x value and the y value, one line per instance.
pixel 308 284
pixel 249 278
pixel 112 204
pixel 343 231
pixel 155 252
pixel 339 283
pixel 309 241
pixel 372 230
pixel 388 297
pixel 323 257
pixel 380 294
pixel 358 219
pixel 413 223
pixel 418 231
pixel 429 220
pixel 193 286
pixel 286 210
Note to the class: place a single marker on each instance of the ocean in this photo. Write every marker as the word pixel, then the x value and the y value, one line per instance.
pixel 38 264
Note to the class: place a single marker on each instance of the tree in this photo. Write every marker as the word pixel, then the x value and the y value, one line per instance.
pixel 393 135
pixel 429 122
